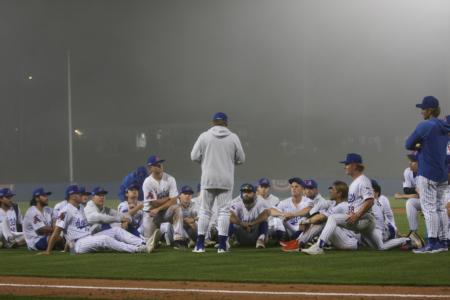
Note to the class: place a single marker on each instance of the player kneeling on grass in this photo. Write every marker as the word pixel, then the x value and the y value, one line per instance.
pixel 291 211
pixel 341 238
pixel 133 207
pixel 248 218
pixel 189 212
pixel 10 220
pixel 77 231
pixel 38 224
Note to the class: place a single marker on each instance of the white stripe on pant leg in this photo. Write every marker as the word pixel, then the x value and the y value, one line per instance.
pixel 204 215
pixel 428 195
pixel 223 209
pixel 412 212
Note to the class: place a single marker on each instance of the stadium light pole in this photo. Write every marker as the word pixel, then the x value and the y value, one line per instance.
pixel 69 108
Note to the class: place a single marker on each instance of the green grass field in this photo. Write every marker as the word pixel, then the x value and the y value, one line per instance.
pixel 271 265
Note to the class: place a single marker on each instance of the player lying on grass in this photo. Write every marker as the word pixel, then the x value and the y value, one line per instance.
pixel 248 218
pixel 10 221
pixel 38 222
pixel 72 221
pixel 291 211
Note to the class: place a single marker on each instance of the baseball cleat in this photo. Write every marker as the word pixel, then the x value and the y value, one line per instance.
pixel 429 248
pixel 180 245
pixel 313 250
pixel 198 250
pixel 220 251
pixel 141 249
pixel 153 240
pixel 288 243
pixel 291 248
pixel 260 244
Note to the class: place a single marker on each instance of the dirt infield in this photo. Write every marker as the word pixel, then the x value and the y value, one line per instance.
pixel 126 289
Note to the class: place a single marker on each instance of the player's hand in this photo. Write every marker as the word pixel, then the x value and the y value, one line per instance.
pixel 352 218
pixel 154 212
pixel 397 196
pixel 43 253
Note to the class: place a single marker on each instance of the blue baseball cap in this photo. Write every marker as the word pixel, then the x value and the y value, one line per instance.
pixel 352 158
pixel 186 189
pixel 310 184
pixel 220 116
pixel 6 192
pixel 264 182
pixel 296 180
pixel 83 191
pixel 154 160
pixel 72 189
pixel 133 186
pixel 374 183
pixel 247 187
pixel 428 102
pixel 40 192
pixel 99 191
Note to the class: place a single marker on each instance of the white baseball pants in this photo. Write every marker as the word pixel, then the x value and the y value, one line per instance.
pixel 223 200
pixel 173 215
pixel 115 238
pixel 432 200
pixel 412 212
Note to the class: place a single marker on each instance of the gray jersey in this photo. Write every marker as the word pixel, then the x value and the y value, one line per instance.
pixel 33 221
pixel 320 203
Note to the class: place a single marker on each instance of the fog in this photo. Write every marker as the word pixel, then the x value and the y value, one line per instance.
pixel 303 83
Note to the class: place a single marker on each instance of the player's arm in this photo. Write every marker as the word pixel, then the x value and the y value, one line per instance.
pixel 234 219
pixel 45 230
pixel 196 153
pixel 275 212
pixel 51 242
pixel 136 209
pixel 94 217
pixel 239 157
pixel 164 204
pixel 299 213
pixel 416 137
pixel 263 216
pixel 315 219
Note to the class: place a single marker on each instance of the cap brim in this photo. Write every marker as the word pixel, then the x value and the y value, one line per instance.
pixel 101 193
pixel 158 162
pixel 344 162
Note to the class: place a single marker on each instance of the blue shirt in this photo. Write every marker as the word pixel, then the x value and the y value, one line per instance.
pixel 132 177
pixel 432 135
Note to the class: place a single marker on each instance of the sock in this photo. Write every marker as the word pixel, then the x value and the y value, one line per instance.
pixel 321 244
pixel 223 242
pixel 200 242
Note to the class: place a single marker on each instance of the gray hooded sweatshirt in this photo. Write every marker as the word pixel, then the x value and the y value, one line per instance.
pixel 218 150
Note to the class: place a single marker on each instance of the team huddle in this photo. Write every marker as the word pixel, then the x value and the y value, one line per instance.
pixel 153 211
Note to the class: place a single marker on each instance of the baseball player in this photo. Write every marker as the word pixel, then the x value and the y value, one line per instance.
pixel 77 231
pixel 10 218
pixel 133 207
pixel 84 194
pixel 101 217
pixel 359 216
pixel 410 193
pixel 263 191
pixel 37 222
pixel 341 238
pixel 136 177
pixel 218 150
pixel 249 217
pixel 160 195
pixel 189 212
pixel 211 233
pixel 292 210
pixel 312 192
pixel 430 139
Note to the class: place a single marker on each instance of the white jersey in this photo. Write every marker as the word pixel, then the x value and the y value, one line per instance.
pixel 271 200
pixel 383 213
pixel 73 222
pixel 189 211
pixel 33 221
pixel 136 219
pixel 154 190
pixel 410 181
pixel 287 205
pixel 359 191
pixel 249 215
pixel 339 208
pixel 11 217
pixel 57 209
pixel 320 204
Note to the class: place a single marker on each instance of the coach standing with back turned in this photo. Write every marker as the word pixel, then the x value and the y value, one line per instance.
pixel 218 150
pixel 430 140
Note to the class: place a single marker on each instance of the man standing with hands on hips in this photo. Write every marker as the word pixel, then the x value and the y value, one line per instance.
pixel 218 150
pixel 430 139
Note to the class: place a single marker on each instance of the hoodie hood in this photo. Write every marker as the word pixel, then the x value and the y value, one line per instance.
pixel 443 125
pixel 219 131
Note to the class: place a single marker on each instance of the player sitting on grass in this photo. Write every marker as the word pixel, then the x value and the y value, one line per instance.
pixel 189 212
pixel 160 197
pixel 10 219
pixel 341 238
pixel 37 223
pixel 72 221
pixel 248 218
pixel 133 207
pixel 292 210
